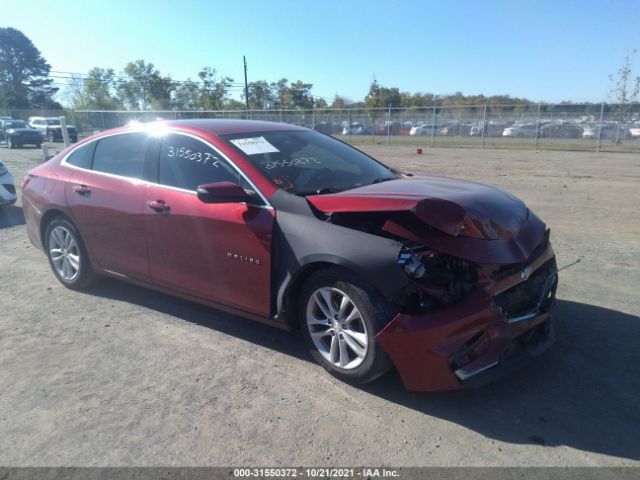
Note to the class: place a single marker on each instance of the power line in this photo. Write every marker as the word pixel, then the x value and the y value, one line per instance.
pixel 128 79
pixel 120 79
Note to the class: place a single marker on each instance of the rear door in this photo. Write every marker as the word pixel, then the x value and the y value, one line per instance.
pixel 107 196
pixel 219 252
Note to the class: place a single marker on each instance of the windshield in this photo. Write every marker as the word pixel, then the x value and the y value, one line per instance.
pixel 52 121
pixel 306 163
pixel 15 124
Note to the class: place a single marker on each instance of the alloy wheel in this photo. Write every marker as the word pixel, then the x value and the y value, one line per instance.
pixel 64 253
pixel 337 328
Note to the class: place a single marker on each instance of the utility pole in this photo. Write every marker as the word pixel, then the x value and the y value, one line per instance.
pixel 246 86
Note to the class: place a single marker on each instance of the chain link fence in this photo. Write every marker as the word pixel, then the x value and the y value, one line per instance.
pixel 595 127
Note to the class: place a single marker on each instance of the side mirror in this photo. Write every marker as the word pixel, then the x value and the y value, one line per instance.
pixel 222 192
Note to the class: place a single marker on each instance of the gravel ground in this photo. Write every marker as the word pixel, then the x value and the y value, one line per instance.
pixel 124 376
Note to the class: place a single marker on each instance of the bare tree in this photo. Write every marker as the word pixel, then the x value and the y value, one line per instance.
pixel 73 94
pixel 624 91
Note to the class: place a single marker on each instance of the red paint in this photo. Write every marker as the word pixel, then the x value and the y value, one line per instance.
pixel 109 218
pixel 455 207
pixel 421 346
pixel 465 219
pixel 168 240
pixel 189 244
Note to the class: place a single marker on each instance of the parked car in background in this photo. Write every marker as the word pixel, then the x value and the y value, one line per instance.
pixel 51 128
pixel 634 131
pixel 324 127
pixel 606 131
pixel 564 130
pixel 16 134
pixel 356 129
pixel 394 128
pixel 6 118
pixel 422 129
pixel 521 130
pixel 455 128
pixel 452 282
pixel 7 188
pixel 491 129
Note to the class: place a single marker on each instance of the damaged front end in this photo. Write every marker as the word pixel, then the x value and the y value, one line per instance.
pixel 482 279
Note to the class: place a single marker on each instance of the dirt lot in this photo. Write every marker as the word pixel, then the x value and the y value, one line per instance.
pixel 126 376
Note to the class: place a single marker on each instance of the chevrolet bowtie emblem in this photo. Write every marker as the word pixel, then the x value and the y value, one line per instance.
pixel 524 274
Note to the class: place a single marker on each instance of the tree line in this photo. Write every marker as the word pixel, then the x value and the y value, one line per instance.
pixel 27 82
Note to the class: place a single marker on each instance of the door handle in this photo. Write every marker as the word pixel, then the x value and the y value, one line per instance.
pixel 81 189
pixel 158 205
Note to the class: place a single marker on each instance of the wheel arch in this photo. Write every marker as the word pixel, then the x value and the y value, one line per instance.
pixel 288 303
pixel 47 217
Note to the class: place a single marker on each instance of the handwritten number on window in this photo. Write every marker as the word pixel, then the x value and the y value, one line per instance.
pixel 295 162
pixel 205 158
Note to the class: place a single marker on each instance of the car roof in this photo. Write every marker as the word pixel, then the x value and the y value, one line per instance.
pixel 232 126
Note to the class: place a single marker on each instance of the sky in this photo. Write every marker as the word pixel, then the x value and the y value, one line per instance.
pixel 542 50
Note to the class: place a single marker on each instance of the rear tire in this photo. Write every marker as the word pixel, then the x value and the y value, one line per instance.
pixel 339 317
pixel 67 255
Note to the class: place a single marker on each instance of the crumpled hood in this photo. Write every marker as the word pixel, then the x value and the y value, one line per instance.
pixel 456 207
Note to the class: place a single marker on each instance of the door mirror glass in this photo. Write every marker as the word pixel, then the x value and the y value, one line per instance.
pixel 222 192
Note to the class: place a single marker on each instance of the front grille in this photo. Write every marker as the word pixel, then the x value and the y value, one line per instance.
pixel 10 188
pixel 523 298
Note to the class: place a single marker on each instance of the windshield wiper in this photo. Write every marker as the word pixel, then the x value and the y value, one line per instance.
pixel 320 191
pixel 382 179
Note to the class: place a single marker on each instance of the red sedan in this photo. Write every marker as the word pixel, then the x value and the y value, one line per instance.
pixel 450 282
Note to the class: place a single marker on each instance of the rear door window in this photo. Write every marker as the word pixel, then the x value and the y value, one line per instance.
pixel 81 156
pixel 186 162
pixel 122 155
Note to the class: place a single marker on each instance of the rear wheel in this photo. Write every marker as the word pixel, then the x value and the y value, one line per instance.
pixel 67 255
pixel 340 317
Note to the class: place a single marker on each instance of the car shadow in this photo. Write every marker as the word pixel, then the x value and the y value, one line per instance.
pixel 289 343
pixel 583 393
pixel 11 216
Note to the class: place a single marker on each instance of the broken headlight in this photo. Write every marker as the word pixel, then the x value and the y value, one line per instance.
pixel 441 277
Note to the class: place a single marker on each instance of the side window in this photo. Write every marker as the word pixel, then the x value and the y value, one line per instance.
pixel 122 154
pixel 186 163
pixel 81 156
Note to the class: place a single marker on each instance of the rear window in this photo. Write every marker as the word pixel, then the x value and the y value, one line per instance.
pixel 122 154
pixel 14 124
pixel 81 156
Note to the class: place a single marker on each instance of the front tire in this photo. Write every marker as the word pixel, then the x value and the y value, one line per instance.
pixel 339 318
pixel 67 255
